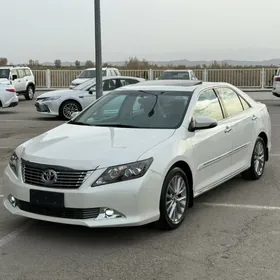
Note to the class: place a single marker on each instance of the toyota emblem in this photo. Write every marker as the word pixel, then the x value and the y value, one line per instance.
pixel 49 177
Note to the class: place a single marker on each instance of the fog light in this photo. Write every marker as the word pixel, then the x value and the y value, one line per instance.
pixel 109 212
pixel 12 200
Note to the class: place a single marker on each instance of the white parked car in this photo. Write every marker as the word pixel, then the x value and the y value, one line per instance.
pixel 184 74
pixel 65 102
pixel 276 84
pixel 90 73
pixel 8 96
pixel 139 154
pixel 21 77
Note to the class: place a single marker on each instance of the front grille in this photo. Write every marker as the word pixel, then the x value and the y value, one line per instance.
pixel 66 178
pixel 67 213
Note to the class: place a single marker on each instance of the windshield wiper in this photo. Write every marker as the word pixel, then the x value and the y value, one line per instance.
pixel 116 125
pixel 151 113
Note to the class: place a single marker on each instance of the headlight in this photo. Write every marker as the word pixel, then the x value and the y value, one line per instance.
pixel 123 172
pixel 14 163
pixel 51 98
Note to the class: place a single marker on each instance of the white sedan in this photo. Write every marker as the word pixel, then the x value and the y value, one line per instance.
pixel 8 96
pixel 65 102
pixel 139 154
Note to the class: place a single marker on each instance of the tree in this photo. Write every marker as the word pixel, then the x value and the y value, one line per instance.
pixel 3 61
pixel 89 63
pixel 77 63
pixel 57 63
pixel 31 62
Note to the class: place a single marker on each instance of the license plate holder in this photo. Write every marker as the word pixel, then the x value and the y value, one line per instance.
pixel 45 198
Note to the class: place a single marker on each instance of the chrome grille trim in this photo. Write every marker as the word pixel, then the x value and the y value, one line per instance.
pixel 67 178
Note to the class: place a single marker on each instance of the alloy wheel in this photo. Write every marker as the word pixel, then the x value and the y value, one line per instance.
pixel 176 199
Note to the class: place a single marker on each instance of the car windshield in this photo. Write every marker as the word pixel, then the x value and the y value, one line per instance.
pixel 172 75
pixel 85 85
pixel 89 74
pixel 4 73
pixel 137 109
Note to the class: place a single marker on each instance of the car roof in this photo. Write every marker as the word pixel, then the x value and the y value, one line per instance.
pixel 173 85
pixel 122 77
pixel 177 70
pixel 14 67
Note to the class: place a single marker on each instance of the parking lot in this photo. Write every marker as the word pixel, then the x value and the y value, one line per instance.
pixel 232 232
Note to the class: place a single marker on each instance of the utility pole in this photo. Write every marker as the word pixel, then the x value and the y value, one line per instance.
pixel 98 51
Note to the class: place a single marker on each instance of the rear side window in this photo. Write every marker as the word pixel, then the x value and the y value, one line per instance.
pixel 27 72
pixel 21 73
pixel 208 105
pixel 244 103
pixel 230 101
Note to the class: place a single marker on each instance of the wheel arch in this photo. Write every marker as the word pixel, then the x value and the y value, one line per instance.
pixel 32 85
pixel 67 100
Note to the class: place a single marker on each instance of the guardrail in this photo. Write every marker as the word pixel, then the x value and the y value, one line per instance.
pixel 259 78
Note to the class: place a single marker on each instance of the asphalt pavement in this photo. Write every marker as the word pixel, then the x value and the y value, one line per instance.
pixel 232 232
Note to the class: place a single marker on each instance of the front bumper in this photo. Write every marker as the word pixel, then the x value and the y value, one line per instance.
pixel 135 202
pixel 47 108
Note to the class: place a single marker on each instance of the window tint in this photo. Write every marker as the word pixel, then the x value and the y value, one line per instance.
pixel 133 108
pixel 27 72
pixel 208 105
pixel 126 82
pixel 111 109
pixel 5 73
pixel 109 85
pixel 230 100
pixel 244 103
pixel 21 73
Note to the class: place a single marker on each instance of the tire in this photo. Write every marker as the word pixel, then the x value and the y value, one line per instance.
pixel 166 221
pixel 255 171
pixel 67 108
pixel 30 92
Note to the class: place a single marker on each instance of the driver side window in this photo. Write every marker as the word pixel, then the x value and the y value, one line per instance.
pixel 208 105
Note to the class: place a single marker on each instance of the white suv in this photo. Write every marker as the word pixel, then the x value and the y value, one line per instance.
pixel 21 78
pixel 178 75
pixel 90 73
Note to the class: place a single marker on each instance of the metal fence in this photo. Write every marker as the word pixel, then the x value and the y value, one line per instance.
pixel 260 78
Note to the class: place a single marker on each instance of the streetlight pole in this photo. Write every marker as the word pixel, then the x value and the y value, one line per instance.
pixel 98 49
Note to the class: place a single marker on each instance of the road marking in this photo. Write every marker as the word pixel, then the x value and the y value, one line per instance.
pixel 9 237
pixel 1 195
pixel 242 206
pixel 275 155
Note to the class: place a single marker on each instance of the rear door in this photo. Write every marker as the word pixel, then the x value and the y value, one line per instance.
pixel 242 118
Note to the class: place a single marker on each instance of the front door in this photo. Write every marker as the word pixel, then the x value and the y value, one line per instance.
pixel 211 147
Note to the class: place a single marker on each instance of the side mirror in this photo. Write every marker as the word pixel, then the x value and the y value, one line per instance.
pixel 202 122
pixel 74 115
pixel 14 77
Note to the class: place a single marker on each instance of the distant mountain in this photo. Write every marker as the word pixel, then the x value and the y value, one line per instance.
pixel 185 62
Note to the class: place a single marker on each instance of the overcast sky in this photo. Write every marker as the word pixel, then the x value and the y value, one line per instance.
pixel 153 29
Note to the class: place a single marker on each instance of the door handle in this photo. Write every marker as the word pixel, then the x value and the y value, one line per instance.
pixel 228 129
pixel 254 117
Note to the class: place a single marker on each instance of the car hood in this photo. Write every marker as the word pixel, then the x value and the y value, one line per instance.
pixel 84 147
pixel 63 92
pixel 5 81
